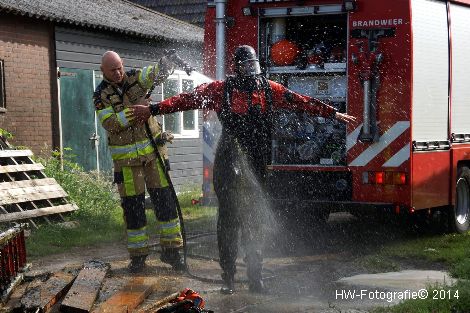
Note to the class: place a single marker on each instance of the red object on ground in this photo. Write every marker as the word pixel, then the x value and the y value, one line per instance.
pixel 189 294
pixel 12 258
pixel 284 52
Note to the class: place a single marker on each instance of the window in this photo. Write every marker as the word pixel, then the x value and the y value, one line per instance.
pixel 182 124
pixel 2 87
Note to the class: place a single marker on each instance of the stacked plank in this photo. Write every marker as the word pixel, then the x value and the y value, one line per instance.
pixel 26 193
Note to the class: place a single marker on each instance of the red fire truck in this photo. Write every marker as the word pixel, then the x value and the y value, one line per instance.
pixel 401 67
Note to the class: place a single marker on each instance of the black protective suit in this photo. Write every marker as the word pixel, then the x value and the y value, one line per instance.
pixel 244 105
pixel 239 174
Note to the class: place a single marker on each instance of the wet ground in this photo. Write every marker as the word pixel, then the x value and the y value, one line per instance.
pixel 302 270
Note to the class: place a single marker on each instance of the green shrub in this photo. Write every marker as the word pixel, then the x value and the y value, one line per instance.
pixel 99 214
pixel 187 194
pixel 93 193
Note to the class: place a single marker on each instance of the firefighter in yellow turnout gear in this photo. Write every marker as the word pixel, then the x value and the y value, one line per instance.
pixel 135 163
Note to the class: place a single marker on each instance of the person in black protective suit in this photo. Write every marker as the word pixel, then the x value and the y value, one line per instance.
pixel 244 104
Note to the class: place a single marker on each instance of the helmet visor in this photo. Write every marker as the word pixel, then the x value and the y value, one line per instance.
pixel 249 68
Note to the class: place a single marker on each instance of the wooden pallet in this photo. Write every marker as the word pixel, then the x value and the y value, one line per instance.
pixel 26 193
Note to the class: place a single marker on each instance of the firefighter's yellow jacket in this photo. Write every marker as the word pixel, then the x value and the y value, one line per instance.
pixel 128 141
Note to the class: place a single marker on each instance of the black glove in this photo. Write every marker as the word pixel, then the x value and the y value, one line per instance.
pixel 154 109
pixel 167 164
pixel 167 136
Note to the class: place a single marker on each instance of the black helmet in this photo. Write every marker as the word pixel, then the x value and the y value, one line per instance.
pixel 245 61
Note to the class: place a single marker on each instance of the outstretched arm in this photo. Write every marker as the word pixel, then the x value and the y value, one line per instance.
pixel 207 96
pixel 287 99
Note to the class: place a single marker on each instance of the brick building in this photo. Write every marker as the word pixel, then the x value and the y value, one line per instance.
pixel 50 53
pixel 26 51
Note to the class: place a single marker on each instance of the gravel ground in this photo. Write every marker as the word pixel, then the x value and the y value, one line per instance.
pixel 304 270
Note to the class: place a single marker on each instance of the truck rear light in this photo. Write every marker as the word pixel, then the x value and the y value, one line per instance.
pixel 399 179
pixel 206 172
pixel 379 177
pixel 384 178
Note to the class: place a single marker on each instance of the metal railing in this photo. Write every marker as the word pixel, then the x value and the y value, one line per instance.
pixel 12 259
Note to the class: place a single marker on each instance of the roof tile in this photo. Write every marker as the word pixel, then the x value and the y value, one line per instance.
pixel 115 15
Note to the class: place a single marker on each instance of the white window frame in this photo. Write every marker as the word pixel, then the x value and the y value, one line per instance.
pixel 193 133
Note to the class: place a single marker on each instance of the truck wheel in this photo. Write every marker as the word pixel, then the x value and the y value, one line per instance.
pixel 459 218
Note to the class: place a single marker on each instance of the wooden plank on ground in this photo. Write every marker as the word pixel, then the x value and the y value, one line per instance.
pixel 43 297
pixel 27 183
pixel 21 168
pixel 154 306
pixel 130 297
pixel 15 153
pixel 84 290
pixel 7 217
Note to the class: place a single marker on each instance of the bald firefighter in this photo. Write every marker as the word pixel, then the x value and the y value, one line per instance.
pixel 134 158
pixel 244 104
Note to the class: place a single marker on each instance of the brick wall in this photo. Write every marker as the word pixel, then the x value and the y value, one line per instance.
pixel 27 51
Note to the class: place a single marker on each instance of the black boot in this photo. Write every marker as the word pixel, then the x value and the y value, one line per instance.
pixel 228 286
pixel 172 256
pixel 254 269
pixel 137 264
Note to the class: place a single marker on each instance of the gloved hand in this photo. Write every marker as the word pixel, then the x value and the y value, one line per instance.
pixel 178 61
pixel 166 67
pixel 167 136
pixel 168 63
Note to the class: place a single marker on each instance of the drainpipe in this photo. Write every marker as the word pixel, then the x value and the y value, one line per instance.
pixel 220 39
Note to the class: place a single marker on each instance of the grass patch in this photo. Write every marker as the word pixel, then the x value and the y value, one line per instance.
pixel 440 300
pixel 100 215
pixel 379 264
pixel 188 194
pixel 448 249
pixel 200 219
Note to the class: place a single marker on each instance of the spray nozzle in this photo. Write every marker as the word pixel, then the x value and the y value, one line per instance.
pixel 175 58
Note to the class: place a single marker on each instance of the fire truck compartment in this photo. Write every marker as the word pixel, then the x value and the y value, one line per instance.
pixel 308 55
